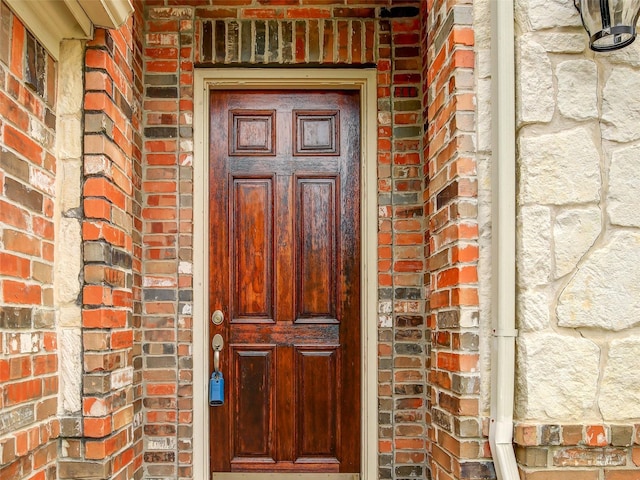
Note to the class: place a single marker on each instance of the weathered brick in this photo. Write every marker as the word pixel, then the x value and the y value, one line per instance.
pixel 550 435
pixel 582 457
pixel 23 195
pixel 13 165
pixel 532 456
pixel 84 469
pixel 610 474
pixel 15 317
pixel 561 475
pixel 621 435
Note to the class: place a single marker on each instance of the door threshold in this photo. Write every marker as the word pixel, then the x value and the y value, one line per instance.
pixel 284 476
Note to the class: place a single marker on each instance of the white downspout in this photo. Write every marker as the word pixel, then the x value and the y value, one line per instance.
pixel 503 249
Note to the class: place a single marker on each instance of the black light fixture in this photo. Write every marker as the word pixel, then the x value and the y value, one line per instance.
pixel 611 24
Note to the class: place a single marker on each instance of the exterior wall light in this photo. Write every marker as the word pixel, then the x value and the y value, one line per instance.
pixel 611 24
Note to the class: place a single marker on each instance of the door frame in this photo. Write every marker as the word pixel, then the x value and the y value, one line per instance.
pixel 363 80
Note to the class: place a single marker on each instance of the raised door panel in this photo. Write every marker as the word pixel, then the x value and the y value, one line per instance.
pixel 252 206
pixel 317 249
pixel 316 132
pixel 254 399
pixel 317 394
pixel 252 132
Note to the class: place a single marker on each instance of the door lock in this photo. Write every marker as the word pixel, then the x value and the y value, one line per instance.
pixel 217 317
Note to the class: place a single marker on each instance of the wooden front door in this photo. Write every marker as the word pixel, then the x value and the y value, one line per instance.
pixel 285 271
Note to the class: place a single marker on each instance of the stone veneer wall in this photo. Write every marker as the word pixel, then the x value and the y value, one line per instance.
pixel 29 379
pixel 578 401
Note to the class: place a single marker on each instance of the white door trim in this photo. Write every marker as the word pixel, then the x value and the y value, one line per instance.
pixel 363 80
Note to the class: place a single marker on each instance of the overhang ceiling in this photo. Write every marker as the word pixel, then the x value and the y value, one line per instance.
pixel 51 21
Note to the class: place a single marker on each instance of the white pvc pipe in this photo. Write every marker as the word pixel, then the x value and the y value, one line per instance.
pixel 503 250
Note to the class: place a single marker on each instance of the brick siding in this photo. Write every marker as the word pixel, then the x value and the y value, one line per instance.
pixel 566 451
pixel 29 427
pixel 105 439
pixel 137 197
pixel 181 36
pixel 459 448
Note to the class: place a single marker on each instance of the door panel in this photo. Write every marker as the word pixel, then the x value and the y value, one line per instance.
pixel 252 254
pixel 285 270
pixel 318 406
pixel 316 236
pixel 254 401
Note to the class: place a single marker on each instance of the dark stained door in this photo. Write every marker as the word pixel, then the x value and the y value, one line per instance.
pixel 285 271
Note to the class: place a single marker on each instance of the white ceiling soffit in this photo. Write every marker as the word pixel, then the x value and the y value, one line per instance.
pixel 52 21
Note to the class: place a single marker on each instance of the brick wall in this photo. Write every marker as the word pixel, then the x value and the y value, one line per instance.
pixel 459 447
pixel 104 440
pixel 179 37
pixel 28 341
pixel 578 451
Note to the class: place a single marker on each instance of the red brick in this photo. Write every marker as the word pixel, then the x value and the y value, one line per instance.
pixel 596 436
pixel 263 13
pixel 122 339
pixel 97 208
pixel 11 111
pixel 14 266
pixel 22 144
pixel 563 474
pixel 104 318
pixel 457 362
pixel 43 228
pixel 20 368
pixel 17 48
pixel 20 392
pixel 19 292
pixel 44 364
pixel 96 295
pixel 97 427
pixel 13 215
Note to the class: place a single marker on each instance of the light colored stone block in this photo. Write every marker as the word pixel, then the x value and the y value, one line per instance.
pixel 574 232
pixel 623 198
pixel 484 115
pixel 560 42
pixel 535 93
pixel 70 186
pixel 558 377
pixel 534 246
pixel 605 291
pixel 71 369
pixel 559 168
pixel 482 23
pixel 67 270
pixel 70 70
pixel 577 89
pixel 70 315
pixel 69 143
pixel 628 56
pixel 619 398
pixel 621 105
pixel 542 14
pixel 533 310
